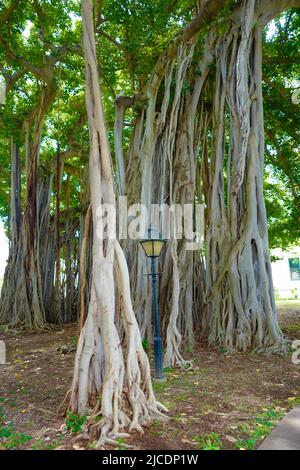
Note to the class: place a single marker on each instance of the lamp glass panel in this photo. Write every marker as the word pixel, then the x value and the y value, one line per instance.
pixel 148 247
pixel 157 247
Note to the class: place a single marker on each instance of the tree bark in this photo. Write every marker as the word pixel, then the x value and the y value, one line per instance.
pixel 240 311
pixel 22 296
pixel 100 367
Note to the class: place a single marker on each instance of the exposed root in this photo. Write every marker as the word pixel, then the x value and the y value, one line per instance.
pixel 62 409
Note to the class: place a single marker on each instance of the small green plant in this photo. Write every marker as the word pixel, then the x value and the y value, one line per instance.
pixel 121 444
pixel 16 439
pixel 2 416
pixel 145 344
pixel 247 444
pixel 74 422
pixel 9 438
pixel 74 341
pixel 6 431
pixel 210 441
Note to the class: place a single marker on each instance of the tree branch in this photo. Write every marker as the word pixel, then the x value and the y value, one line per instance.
pixel 267 9
pixel 282 60
pixel 8 11
pixel 110 38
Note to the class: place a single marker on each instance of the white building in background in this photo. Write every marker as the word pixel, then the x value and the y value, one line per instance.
pixel 286 273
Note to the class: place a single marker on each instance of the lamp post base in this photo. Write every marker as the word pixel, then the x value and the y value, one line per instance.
pixel 158 357
pixel 162 379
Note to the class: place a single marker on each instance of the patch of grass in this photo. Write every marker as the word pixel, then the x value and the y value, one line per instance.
pixel 159 386
pixel 258 428
pixel 16 439
pixel 157 429
pixel 293 401
pixel 177 418
pixel 287 303
pixel 169 404
pixel 291 329
pixel 247 444
pixel 210 441
pixel 169 369
pixel 182 397
pixel 40 444
pixel 74 422
pixel 2 416
pixel 9 437
pixel 175 379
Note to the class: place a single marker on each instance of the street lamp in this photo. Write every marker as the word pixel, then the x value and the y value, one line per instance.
pixel 152 246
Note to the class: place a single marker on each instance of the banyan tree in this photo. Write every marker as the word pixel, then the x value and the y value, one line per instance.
pixel 189 131
pixel 201 132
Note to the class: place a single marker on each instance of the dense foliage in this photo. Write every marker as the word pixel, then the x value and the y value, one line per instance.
pixel 40 34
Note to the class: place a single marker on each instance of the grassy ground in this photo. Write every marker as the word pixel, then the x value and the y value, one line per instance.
pixel 289 314
pixel 228 401
pixel 292 303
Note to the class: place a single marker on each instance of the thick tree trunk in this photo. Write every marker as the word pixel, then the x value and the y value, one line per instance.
pixel 240 310
pixel 22 296
pixel 127 400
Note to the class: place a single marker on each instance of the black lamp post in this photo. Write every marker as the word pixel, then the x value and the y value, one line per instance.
pixel 152 247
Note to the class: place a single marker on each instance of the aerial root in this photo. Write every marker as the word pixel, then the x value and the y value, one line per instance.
pixel 187 365
pixel 160 410
pixel 65 404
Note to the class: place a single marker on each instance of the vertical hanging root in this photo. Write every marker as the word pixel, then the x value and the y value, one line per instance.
pixel 241 310
pixel 82 267
pixel 140 392
pixel 173 356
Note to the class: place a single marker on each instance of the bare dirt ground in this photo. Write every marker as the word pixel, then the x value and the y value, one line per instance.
pixel 228 401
